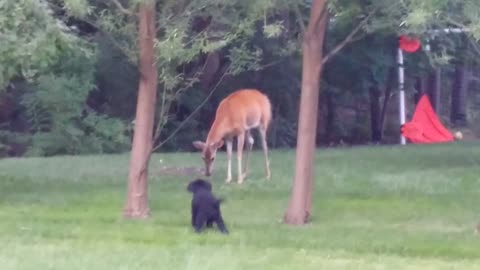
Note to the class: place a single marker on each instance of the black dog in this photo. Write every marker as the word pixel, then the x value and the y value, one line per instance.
pixel 205 207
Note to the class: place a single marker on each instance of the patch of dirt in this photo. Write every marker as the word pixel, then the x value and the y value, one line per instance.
pixel 184 171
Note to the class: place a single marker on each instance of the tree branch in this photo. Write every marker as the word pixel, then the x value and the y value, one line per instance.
pixel 300 18
pixel 163 112
pixel 455 23
pixel 99 29
pixel 349 38
pixel 122 8
pixel 273 63
pixel 317 11
pixel 112 39
pixel 180 126
pixel 474 44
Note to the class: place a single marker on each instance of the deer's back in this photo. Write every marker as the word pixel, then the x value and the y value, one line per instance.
pixel 244 109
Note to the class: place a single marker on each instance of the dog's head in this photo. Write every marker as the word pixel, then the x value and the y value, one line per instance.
pixel 199 184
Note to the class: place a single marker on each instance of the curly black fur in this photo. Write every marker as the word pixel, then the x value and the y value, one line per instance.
pixel 205 207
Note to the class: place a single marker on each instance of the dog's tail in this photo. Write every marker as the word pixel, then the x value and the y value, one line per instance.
pixel 219 201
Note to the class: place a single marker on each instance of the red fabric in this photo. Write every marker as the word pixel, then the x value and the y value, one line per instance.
pixel 409 45
pixel 425 126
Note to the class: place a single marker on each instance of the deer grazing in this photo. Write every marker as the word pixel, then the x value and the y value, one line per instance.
pixel 236 115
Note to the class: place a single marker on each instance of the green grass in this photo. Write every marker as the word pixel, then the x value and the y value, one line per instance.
pixel 411 207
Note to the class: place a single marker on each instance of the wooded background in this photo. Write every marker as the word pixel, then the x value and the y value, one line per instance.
pixel 69 75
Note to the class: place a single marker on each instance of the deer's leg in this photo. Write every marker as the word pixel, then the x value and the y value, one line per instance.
pixel 249 149
pixel 229 144
pixel 240 144
pixel 263 135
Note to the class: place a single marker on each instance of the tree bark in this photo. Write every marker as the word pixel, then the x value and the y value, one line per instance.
pixel 458 113
pixel 136 205
pixel 299 207
pixel 434 88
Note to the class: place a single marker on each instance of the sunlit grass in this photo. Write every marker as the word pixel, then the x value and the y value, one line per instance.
pixel 411 207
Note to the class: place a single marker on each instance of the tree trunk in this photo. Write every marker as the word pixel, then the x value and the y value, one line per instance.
pixel 299 207
pixel 421 87
pixel 376 131
pixel 458 113
pixel 212 65
pixel 330 118
pixel 388 90
pixel 434 88
pixel 137 194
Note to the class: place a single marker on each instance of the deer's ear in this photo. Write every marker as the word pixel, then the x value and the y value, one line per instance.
pixel 199 145
pixel 219 144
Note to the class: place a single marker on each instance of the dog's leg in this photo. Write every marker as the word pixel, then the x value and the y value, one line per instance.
pixel 199 222
pixel 209 223
pixel 221 224
pixel 194 214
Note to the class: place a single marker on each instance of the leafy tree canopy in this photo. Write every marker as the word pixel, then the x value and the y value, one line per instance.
pixel 31 39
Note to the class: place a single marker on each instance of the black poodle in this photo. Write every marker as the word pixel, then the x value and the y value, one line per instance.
pixel 205 207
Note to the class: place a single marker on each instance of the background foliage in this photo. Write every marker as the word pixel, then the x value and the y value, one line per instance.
pixel 68 74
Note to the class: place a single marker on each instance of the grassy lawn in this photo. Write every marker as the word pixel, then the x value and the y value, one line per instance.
pixel 411 207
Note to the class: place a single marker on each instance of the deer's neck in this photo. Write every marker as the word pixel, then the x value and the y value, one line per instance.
pixel 217 131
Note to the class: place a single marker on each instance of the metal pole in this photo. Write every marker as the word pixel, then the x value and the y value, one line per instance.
pixel 401 96
pixel 448 30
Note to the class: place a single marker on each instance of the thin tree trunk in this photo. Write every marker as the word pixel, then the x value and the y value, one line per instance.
pixel 434 88
pixel 388 90
pixel 212 65
pixel 458 114
pixel 421 86
pixel 376 132
pixel 330 118
pixel 136 205
pixel 299 207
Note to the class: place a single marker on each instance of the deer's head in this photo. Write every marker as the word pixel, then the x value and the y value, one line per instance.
pixel 208 153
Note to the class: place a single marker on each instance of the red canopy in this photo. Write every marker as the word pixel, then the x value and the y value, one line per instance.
pixel 425 126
